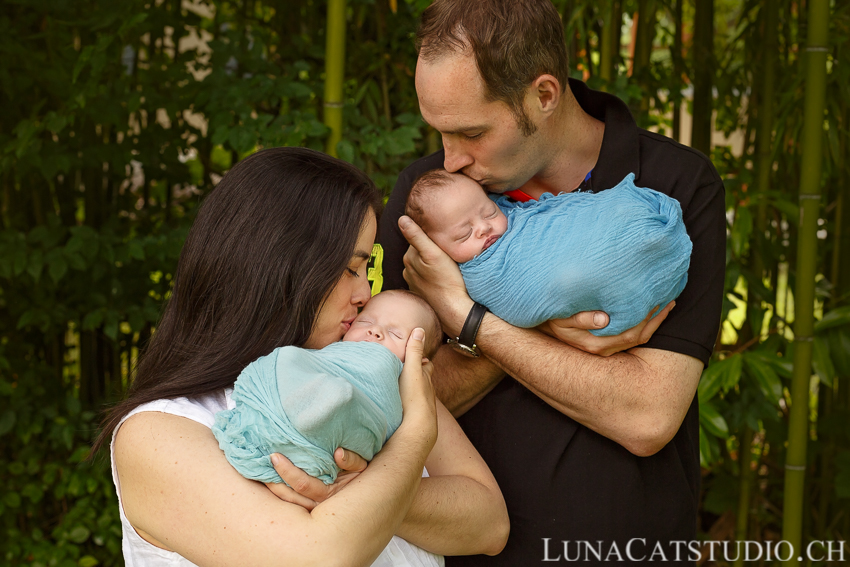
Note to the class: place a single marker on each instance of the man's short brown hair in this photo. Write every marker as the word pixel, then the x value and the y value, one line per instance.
pixel 513 42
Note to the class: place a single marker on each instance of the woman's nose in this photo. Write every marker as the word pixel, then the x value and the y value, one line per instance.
pixel 362 293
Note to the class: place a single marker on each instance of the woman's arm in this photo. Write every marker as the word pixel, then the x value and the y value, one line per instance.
pixel 179 490
pixel 180 493
pixel 459 509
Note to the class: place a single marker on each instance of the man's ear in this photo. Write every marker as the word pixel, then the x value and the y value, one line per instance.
pixel 546 91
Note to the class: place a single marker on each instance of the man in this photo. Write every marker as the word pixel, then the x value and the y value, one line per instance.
pixel 595 443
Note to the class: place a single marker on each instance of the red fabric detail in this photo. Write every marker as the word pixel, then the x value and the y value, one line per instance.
pixel 519 195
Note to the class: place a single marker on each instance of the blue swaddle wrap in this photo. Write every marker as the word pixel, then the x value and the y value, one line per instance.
pixel 622 251
pixel 305 403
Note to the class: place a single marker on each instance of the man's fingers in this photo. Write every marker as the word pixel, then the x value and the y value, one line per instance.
pixel 655 322
pixel 298 480
pixel 349 460
pixel 288 495
pixel 585 320
pixel 416 236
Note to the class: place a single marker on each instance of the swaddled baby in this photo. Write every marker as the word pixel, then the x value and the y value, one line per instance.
pixel 306 403
pixel 623 251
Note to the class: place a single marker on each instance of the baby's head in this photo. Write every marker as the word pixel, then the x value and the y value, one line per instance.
pixel 455 212
pixel 390 317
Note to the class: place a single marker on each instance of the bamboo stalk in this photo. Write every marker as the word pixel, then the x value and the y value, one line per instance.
pixel 606 49
pixel 678 69
pixel 703 75
pixel 764 163
pixel 810 180
pixel 745 483
pixel 334 73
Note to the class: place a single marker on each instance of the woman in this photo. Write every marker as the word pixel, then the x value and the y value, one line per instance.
pixel 277 256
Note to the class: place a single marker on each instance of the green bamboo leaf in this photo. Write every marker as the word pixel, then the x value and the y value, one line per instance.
pixel 835 318
pixel 839 348
pixel 712 421
pixel 822 362
pixel 842 474
pixel 19 261
pixel 766 378
pixel 136 250
pixel 7 422
pixel 79 534
pixel 93 320
pixel 85 57
pixel 345 150
pixel 88 561
pixel 741 230
pixel 57 268
pixel 704 449
pixel 720 374
pixel 35 264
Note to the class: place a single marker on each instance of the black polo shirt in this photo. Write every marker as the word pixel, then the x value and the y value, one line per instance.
pixel 563 482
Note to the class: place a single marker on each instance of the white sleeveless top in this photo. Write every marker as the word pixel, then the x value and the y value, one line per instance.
pixel 140 553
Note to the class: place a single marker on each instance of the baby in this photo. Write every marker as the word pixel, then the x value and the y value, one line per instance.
pixel 306 403
pixel 623 251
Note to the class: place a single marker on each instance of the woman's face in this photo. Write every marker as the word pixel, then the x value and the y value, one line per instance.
pixel 352 291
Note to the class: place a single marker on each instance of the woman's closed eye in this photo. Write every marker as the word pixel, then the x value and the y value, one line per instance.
pixel 352 272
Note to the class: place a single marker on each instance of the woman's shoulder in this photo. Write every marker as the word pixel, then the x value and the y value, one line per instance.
pixel 201 409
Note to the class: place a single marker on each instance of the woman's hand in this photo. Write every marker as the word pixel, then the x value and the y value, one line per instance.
pixel 308 491
pixel 574 331
pixel 417 393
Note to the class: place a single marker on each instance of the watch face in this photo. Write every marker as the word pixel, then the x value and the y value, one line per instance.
pixel 463 349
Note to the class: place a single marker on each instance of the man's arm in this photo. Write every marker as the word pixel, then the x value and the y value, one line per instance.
pixel 637 398
pixel 460 381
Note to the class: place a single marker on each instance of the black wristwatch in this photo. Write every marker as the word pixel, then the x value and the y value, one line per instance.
pixel 465 343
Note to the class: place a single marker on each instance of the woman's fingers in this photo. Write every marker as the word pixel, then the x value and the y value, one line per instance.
pixel 349 460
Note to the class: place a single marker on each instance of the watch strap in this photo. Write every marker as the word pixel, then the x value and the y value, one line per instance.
pixel 471 325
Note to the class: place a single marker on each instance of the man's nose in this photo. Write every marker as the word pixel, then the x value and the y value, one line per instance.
pixel 456 159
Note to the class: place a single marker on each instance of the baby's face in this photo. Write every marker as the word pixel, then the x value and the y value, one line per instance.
pixel 388 319
pixel 463 221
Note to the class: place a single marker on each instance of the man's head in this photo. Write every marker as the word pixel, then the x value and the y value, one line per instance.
pixel 488 74
pixel 390 317
pixel 456 214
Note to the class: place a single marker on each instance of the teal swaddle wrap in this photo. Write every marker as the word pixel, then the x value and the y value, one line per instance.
pixel 622 251
pixel 305 403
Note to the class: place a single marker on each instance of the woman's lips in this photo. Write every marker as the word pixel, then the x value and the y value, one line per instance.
pixel 347 323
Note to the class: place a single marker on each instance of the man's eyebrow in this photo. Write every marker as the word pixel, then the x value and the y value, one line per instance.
pixel 464 129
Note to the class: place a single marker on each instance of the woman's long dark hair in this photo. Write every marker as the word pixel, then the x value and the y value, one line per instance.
pixel 268 246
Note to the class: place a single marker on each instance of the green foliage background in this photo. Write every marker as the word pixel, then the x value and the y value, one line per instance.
pixel 117 117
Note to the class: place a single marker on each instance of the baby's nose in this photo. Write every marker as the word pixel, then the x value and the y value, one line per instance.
pixel 376 331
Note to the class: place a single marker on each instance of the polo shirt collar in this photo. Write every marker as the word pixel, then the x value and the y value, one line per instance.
pixel 620 152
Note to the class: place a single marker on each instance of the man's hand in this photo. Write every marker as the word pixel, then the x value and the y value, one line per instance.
pixel 574 331
pixel 308 491
pixel 434 276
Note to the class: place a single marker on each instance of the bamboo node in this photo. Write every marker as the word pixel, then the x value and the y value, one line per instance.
pixel 334 104
pixel 806 339
pixel 817 48
pixel 794 467
pixel 810 196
